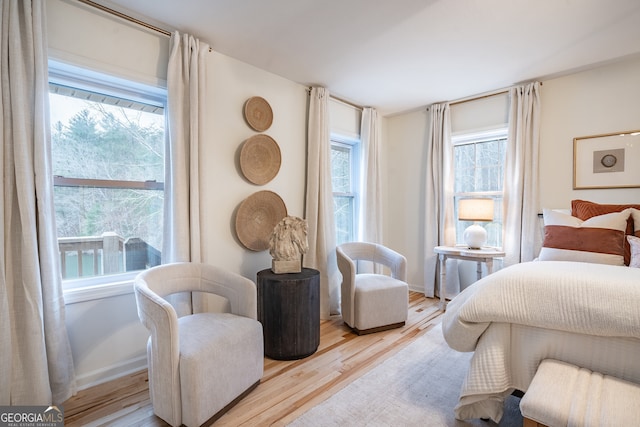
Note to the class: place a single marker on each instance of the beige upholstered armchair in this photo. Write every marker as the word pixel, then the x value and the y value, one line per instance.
pixel 201 363
pixel 372 302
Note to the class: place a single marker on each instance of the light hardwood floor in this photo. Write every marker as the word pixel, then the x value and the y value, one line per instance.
pixel 287 389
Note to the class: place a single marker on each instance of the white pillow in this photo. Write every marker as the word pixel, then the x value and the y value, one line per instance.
pixel 635 250
pixel 597 240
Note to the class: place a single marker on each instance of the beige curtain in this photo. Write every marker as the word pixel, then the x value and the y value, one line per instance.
pixel 439 209
pixel 371 187
pixel 521 194
pixel 319 204
pixel 186 112
pixel 36 367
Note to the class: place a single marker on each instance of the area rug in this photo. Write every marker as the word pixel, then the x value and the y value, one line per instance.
pixel 419 386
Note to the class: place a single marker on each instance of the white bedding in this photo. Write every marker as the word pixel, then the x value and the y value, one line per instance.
pixel 585 314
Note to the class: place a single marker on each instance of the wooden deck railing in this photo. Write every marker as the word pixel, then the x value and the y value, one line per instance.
pixel 105 254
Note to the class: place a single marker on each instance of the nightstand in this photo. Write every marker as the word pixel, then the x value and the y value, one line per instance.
pixel 484 255
pixel 289 310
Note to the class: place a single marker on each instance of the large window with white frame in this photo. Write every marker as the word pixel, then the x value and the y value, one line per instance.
pixel 107 138
pixel 345 182
pixel 479 159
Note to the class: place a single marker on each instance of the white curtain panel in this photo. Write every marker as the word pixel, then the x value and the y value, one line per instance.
pixel 319 204
pixel 521 191
pixel 186 113
pixel 371 183
pixel 439 209
pixel 36 366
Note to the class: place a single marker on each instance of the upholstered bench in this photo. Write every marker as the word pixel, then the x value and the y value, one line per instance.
pixel 562 394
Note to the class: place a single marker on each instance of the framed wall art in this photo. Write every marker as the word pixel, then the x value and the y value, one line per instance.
pixel 606 161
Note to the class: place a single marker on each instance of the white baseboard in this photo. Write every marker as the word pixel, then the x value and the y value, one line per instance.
pixel 415 288
pixel 110 373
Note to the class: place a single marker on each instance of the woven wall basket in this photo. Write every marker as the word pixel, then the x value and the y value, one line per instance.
pixel 260 159
pixel 257 215
pixel 258 113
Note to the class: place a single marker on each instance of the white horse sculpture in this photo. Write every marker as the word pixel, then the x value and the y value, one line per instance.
pixel 287 243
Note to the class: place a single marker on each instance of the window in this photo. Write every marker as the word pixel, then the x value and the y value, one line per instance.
pixel 107 140
pixel 344 178
pixel 479 172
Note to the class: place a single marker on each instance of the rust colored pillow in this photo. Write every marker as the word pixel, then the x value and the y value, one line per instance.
pixel 584 210
pixel 597 240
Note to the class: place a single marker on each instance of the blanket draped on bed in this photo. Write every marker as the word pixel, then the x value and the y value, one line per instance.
pixel 579 298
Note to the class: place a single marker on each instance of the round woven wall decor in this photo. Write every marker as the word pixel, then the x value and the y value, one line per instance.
pixel 256 218
pixel 260 159
pixel 258 113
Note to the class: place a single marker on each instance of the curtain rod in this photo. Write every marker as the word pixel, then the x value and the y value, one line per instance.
pixel 351 104
pixel 344 101
pixel 488 95
pixel 126 17
pixel 475 98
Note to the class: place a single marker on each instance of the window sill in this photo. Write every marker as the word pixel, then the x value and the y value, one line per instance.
pixel 97 292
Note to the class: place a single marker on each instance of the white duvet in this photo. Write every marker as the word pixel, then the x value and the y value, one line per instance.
pixel 587 314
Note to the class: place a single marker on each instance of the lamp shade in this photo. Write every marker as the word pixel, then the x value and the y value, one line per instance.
pixel 475 210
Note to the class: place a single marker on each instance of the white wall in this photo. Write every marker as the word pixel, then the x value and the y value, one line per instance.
pixel 106 336
pixel 223 186
pixel 404 154
pixel 599 101
pixel 602 100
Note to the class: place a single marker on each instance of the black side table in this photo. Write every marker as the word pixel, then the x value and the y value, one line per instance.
pixel 289 310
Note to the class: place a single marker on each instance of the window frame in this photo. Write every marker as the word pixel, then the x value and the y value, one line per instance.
pixel 84 79
pixel 353 146
pixel 475 137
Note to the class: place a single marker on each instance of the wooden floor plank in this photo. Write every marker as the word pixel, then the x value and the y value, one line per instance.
pixel 287 389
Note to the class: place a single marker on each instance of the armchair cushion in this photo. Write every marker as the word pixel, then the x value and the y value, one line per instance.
pixel 207 366
pixel 199 363
pixel 372 302
pixel 376 296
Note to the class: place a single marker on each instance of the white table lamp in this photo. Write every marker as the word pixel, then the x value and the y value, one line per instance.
pixel 475 236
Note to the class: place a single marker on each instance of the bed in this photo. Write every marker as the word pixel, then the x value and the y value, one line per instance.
pixel 583 313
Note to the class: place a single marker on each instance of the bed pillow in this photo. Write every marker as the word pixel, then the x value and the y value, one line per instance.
pixel 634 242
pixel 635 215
pixel 599 239
pixel 585 209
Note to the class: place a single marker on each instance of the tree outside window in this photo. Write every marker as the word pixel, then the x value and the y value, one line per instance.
pixel 344 180
pixel 479 172
pixel 108 166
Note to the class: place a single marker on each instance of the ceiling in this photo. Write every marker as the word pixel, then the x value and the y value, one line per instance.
pixel 405 54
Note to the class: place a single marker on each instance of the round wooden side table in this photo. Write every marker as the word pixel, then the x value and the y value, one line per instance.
pixel 289 310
